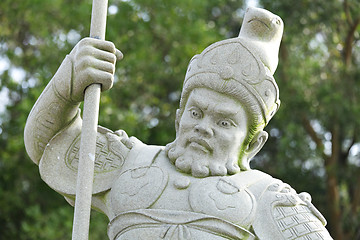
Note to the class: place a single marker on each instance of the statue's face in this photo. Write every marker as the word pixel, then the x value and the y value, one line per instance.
pixel 211 130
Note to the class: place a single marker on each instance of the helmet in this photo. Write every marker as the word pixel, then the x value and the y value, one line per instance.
pixel 242 67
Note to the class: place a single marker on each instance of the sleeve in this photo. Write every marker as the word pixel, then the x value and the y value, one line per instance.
pixel 52 112
pixel 284 214
pixel 59 163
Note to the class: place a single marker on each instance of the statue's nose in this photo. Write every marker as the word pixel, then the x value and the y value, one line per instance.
pixel 204 128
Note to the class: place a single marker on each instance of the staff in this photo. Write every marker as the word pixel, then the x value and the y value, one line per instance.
pixel 88 135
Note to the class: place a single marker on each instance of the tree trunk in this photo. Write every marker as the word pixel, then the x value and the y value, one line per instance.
pixel 332 182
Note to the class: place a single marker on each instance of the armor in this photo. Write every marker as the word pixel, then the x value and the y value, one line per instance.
pixel 247 205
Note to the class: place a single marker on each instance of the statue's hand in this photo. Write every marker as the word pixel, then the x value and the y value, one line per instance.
pixel 93 62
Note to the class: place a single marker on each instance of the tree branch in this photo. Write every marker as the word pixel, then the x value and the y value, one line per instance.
pixel 354 139
pixel 335 145
pixel 349 42
pixel 347 13
pixel 313 135
pixel 355 204
pixel 333 182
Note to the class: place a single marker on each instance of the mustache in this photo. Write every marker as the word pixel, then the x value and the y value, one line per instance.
pixel 201 166
pixel 201 142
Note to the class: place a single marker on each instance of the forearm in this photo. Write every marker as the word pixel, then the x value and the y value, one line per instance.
pixel 52 112
pixel 91 61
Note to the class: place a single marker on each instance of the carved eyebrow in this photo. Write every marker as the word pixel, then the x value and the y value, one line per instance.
pixel 223 110
pixel 195 100
pixel 229 116
pixel 227 113
pixel 220 108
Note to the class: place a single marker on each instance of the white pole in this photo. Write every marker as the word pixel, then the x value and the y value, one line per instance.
pixel 85 175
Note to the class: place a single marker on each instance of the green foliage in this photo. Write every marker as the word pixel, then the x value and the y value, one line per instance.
pixel 315 140
pixel 318 77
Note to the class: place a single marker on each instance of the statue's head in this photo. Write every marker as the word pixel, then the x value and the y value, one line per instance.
pixel 229 95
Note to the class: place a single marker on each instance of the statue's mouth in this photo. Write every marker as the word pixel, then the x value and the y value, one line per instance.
pixel 200 144
pixel 260 21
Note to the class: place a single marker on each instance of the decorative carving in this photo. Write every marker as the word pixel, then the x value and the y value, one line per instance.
pixel 182 182
pixel 164 224
pixel 106 159
pixel 292 217
pixel 46 120
pixel 298 222
pixel 221 197
pixel 138 188
pixel 176 232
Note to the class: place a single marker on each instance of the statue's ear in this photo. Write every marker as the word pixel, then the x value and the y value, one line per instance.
pixel 177 120
pixel 256 144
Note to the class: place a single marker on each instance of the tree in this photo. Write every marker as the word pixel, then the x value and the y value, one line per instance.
pixel 316 132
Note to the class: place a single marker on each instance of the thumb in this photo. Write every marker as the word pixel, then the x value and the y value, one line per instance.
pixel 119 55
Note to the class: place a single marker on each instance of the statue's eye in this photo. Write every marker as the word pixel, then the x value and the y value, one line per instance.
pixel 276 21
pixel 226 123
pixel 195 113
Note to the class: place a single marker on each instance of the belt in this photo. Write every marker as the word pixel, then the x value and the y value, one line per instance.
pixel 171 224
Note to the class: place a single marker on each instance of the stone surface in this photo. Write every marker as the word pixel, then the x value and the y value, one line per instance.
pixel 200 186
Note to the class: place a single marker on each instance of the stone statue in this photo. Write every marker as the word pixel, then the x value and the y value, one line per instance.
pixel 200 186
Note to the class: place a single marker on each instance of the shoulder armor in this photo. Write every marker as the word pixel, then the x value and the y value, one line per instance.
pixel 59 163
pixel 284 214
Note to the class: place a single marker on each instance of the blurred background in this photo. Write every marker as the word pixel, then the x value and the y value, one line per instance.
pixel 314 140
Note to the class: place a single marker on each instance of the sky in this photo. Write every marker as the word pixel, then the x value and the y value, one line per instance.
pixel 252 3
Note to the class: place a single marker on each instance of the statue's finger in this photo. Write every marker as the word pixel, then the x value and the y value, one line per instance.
pixel 119 55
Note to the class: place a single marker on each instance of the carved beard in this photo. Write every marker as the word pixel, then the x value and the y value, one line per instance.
pixel 200 165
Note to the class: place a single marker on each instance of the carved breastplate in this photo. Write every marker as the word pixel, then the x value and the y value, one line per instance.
pixel 156 185
pixel 137 188
pixel 223 198
pixel 140 183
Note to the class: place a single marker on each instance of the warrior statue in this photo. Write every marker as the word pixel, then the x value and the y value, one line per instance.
pixel 200 186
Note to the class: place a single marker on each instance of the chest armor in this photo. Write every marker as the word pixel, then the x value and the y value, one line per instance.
pixel 141 182
pixel 224 198
pixel 154 185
